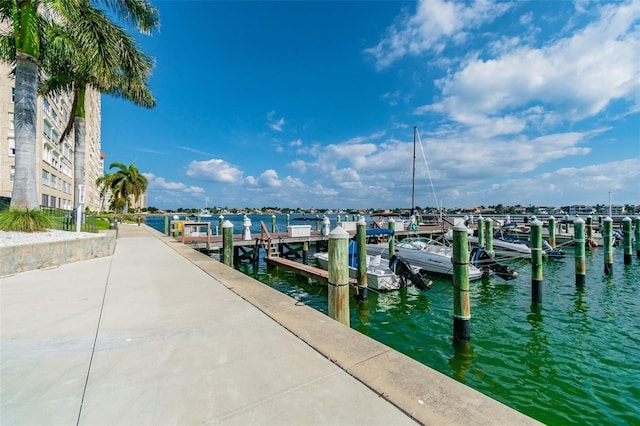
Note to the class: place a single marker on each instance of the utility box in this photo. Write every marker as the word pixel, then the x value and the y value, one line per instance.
pixel 299 230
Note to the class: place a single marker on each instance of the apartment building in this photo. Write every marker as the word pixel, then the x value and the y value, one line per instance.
pixel 54 159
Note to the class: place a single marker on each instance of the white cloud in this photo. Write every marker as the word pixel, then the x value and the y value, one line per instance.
pixel 157 183
pixel 571 79
pixel 214 170
pixel 434 24
pixel 275 123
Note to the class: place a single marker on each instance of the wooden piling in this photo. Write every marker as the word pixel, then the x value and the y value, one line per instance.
pixel 392 238
pixel 552 231
pixel 536 261
pixel 273 223
pixel 627 240
pixel 220 223
pixel 227 243
pixel 166 225
pixel 638 236
pixel 480 232
pixel 361 239
pixel 607 236
pixel 580 260
pixel 338 280
pixel 590 230
pixel 305 251
pixel 461 299
pixel 488 235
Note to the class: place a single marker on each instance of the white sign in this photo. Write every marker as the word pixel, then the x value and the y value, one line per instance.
pixel 80 194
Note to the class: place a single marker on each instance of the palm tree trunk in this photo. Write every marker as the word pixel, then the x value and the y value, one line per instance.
pixel 25 188
pixel 79 126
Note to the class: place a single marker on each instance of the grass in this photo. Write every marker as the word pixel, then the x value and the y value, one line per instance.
pixel 24 220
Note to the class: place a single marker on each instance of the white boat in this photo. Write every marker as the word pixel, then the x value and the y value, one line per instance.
pixel 501 248
pixel 205 212
pixel 429 255
pixel 380 276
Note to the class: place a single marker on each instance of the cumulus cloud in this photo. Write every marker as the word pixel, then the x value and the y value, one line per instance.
pixel 214 170
pixel 157 183
pixel 434 24
pixel 569 79
pixel 275 123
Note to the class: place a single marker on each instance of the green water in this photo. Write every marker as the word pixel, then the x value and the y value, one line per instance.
pixel 573 359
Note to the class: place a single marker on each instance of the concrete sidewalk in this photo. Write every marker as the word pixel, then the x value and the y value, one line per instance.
pixel 161 334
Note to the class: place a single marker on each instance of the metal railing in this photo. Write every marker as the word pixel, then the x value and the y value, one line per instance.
pixel 64 220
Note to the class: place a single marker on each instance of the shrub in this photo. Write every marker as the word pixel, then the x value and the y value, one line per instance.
pixel 24 220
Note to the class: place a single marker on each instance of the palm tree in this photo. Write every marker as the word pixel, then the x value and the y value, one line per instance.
pixel 102 184
pixel 113 66
pixel 28 42
pixel 126 182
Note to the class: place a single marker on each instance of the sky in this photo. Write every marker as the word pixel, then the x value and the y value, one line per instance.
pixel 304 104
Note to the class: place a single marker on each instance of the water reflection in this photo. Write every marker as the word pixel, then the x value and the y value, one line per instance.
pixel 462 359
pixel 537 353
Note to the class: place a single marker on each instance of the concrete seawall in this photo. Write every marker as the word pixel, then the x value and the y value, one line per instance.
pixel 21 258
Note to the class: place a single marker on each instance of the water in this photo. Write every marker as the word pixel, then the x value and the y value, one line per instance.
pixel 571 360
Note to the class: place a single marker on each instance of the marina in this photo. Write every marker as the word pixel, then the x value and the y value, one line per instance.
pixel 569 359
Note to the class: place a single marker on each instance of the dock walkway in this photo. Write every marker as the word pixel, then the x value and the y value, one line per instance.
pixel 159 333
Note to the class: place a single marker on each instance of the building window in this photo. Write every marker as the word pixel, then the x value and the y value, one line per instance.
pixel 12 173
pixel 45 200
pixel 54 181
pixel 12 147
pixel 10 121
pixel 53 201
pixel 13 95
pixel 45 180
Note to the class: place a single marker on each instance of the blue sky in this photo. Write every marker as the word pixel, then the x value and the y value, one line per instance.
pixel 313 104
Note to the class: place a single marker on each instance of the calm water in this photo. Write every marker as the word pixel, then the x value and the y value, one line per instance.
pixel 574 359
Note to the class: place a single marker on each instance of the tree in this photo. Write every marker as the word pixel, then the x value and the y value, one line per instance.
pixel 125 183
pixel 28 43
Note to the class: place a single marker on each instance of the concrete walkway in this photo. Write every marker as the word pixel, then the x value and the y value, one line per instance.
pixel 160 334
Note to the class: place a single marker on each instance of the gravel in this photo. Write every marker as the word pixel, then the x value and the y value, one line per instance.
pixel 26 238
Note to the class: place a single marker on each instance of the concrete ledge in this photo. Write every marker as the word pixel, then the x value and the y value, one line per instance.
pixel 23 258
pixel 424 394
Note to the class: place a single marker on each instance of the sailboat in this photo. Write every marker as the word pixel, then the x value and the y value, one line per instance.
pixel 205 212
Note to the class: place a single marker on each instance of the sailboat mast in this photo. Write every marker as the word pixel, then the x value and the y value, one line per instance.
pixel 413 178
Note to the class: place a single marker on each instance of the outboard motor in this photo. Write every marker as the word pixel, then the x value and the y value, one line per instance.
pixel 551 252
pixel 404 271
pixel 483 260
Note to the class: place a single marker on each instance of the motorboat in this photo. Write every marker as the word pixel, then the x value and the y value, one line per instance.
pixel 430 256
pixel 382 274
pixel 501 247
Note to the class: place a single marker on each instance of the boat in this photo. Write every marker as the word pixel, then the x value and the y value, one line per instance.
pixel 204 212
pixel 382 274
pixel 430 256
pixel 501 247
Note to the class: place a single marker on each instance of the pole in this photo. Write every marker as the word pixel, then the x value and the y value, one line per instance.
pixel 552 231
pixel 536 261
pixel 488 235
pixel 638 236
pixel 590 230
pixel 273 223
pixel 338 283
pixel 392 245
pixel 580 261
pixel 480 232
pixel 626 239
pixel 227 243
pixel 361 237
pixel 607 235
pixel 166 225
pixel 220 222
pixel 461 300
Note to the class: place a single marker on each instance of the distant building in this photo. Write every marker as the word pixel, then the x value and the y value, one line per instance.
pixel 579 209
